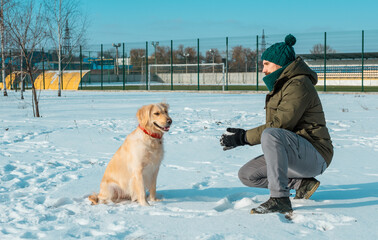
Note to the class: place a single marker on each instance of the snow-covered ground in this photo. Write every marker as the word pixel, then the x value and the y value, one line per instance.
pixel 49 165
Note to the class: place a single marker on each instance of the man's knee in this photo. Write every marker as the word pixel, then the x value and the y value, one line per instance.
pixel 270 135
pixel 247 177
pixel 243 175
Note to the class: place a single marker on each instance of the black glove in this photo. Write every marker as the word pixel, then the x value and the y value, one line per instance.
pixel 232 138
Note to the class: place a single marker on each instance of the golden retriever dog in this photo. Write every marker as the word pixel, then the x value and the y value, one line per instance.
pixel 134 167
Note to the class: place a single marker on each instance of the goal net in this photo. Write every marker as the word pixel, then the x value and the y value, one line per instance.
pixel 210 74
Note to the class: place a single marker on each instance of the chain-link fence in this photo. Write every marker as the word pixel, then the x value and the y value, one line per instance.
pixel 344 61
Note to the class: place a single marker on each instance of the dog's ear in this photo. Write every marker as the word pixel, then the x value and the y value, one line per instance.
pixel 143 114
pixel 164 105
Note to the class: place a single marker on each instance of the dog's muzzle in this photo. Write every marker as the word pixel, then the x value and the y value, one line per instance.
pixel 166 127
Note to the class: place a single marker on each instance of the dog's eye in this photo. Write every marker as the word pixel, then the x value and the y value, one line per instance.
pixel 157 113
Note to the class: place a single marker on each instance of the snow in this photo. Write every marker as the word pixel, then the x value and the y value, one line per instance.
pixel 49 165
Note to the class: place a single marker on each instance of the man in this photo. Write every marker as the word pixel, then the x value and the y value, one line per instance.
pixel 295 140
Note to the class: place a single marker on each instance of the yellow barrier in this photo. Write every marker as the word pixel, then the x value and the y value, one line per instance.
pixel 9 79
pixel 71 80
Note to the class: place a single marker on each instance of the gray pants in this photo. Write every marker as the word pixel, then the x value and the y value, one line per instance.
pixel 287 159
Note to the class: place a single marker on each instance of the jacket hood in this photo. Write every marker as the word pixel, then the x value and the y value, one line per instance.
pixel 299 67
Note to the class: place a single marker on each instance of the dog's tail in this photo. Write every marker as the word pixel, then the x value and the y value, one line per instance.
pixel 93 198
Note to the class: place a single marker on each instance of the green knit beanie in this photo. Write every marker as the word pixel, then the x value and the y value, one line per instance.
pixel 281 53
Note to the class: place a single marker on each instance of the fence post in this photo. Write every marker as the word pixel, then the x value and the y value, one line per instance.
pixel 123 65
pixel 325 61
pixel 146 57
pixel 90 66
pixel 226 63
pixel 102 68
pixel 362 61
pixel 257 62
pixel 171 65
pixel 81 69
pixel 198 65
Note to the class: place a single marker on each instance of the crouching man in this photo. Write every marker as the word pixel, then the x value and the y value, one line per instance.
pixel 295 140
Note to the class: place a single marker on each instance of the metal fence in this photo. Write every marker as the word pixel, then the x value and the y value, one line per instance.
pixel 344 61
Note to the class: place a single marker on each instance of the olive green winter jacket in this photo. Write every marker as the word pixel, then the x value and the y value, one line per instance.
pixel 294 104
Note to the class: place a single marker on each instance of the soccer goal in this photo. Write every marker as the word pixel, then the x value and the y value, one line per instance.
pixel 209 74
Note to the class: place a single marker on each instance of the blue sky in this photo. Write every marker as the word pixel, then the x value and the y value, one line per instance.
pixel 147 20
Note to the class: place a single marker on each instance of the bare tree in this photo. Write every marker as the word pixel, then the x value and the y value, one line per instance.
pixel 243 59
pixel 137 55
pixel 185 55
pixel 4 5
pixel 319 49
pixel 213 54
pixel 107 53
pixel 66 29
pixel 191 54
pixel 163 54
pixel 26 29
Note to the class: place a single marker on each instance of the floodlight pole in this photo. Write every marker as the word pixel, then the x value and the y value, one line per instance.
pixel 186 55
pixel 246 62
pixel 116 60
pixel 212 52
pixel 142 57
pixel 155 44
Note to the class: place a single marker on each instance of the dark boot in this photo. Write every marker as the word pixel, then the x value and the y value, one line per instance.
pixel 307 188
pixel 281 205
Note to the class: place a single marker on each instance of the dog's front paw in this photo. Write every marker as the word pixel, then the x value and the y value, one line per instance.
pixel 144 203
pixel 156 199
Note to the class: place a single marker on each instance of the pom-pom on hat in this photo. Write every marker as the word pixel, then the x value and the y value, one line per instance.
pixel 281 53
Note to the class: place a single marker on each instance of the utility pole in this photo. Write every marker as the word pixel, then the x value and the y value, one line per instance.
pixel 67 40
pixel 263 42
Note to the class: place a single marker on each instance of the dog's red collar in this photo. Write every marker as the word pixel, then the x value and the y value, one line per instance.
pixel 154 135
